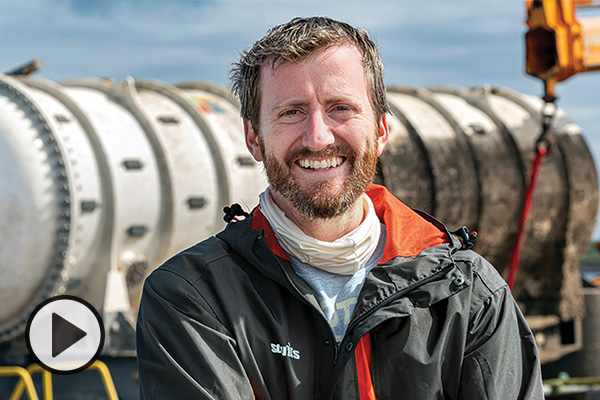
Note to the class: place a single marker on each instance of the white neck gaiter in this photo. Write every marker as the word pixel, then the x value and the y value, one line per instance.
pixel 343 256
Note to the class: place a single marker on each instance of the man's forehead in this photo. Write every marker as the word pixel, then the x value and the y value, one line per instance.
pixel 272 63
pixel 342 79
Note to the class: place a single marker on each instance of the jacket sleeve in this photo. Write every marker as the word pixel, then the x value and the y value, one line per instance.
pixel 183 351
pixel 501 359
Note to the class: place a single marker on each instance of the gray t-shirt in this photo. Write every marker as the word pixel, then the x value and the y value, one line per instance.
pixel 337 294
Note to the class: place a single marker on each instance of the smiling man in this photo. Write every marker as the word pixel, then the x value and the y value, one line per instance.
pixel 319 139
pixel 331 288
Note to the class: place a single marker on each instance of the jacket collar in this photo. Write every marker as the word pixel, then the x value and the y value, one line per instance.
pixel 407 232
pixel 418 249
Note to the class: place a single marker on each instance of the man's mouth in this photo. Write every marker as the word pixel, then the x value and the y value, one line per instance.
pixel 321 165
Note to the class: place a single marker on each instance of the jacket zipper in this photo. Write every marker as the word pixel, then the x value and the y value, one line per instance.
pixel 354 322
pixel 318 311
pixel 397 295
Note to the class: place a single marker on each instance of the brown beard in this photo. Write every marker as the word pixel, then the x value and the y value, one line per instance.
pixel 318 201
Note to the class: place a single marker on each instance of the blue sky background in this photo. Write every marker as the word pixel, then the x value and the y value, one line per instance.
pixel 423 43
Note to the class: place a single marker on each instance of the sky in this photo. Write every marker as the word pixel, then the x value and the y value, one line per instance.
pixel 423 43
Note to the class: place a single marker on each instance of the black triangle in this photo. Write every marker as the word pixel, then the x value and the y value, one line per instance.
pixel 64 334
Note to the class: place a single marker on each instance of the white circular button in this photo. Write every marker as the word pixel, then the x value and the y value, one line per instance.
pixel 65 334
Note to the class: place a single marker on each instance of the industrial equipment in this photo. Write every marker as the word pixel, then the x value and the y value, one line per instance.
pixel 560 43
pixel 103 181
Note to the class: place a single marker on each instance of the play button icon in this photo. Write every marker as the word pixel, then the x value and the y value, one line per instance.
pixel 65 334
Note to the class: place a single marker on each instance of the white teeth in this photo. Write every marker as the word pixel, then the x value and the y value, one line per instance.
pixel 321 165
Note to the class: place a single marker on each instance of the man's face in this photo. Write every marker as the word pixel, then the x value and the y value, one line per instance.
pixel 318 137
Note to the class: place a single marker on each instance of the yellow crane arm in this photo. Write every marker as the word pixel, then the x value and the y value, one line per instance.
pixel 558 44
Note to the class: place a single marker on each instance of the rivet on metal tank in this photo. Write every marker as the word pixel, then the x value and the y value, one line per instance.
pixel 88 206
pixel 137 230
pixel 133 164
pixel 167 119
pixel 61 118
pixel 195 203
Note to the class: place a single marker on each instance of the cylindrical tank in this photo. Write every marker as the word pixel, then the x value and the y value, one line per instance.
pixel 465 155
pixel 102 181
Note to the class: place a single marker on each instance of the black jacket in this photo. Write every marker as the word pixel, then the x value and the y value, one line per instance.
pixel 229 319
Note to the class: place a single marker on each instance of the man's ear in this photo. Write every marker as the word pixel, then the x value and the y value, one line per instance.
pixel 252 141
pixel 382 134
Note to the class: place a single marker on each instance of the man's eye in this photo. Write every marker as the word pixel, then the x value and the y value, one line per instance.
pixel 342 108
pixel 290 113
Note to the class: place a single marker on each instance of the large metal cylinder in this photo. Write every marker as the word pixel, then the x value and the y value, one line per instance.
pixel 465 155
pixel 103 181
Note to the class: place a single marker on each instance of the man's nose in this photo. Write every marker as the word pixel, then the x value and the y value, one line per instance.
pixel 318 134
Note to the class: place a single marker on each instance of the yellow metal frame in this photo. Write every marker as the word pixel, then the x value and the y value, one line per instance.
pixel 559 45
pixel 26 382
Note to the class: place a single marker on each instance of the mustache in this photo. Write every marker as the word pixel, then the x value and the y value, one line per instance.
pixel 330 151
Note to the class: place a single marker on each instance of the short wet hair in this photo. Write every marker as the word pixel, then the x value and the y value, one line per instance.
pixel 295 41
